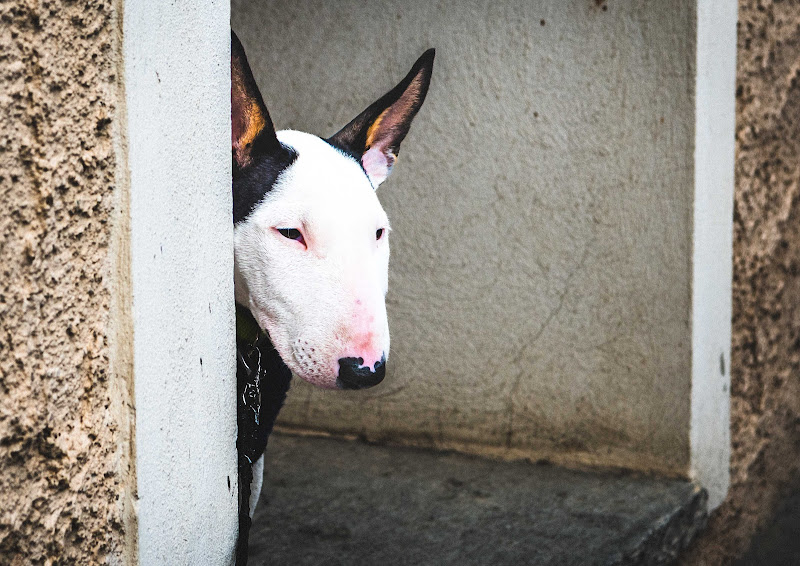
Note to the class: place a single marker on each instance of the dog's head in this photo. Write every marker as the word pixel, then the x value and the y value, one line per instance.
pixel 311 239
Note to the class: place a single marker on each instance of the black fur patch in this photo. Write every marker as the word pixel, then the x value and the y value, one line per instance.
pixel 253 182
pixel 343 149
pixel 262 382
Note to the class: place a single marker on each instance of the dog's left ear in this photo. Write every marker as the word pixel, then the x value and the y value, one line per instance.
pixel 374 136
pixel 252 132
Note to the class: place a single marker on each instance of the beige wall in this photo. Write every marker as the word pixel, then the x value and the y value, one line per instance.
pixel 64 453
pixel 765 393
pixel 540 278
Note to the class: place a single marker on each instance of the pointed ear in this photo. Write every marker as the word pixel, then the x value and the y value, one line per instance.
pixel 252 131
pixel 374 136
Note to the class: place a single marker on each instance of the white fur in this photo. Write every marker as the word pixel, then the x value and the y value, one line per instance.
pixel 325 302
pixel 256 484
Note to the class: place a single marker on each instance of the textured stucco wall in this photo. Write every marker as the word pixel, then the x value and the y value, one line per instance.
pixel 64 423
pixel 535 310
pixel 765 382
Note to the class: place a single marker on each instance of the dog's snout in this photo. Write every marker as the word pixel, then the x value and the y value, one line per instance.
pixel 354 375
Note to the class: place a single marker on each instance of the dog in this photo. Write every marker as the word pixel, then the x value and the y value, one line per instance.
pixel 311 247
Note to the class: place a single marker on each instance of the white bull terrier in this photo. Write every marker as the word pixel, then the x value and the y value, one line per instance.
pixel 311 240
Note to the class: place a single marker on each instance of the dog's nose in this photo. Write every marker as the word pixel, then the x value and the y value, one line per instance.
pixel 354 375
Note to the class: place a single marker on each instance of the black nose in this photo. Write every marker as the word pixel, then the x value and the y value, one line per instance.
pixel 353 376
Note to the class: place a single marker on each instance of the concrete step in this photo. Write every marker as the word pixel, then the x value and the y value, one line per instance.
pixel 332 502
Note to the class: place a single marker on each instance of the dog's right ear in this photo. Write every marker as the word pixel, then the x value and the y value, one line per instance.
pixel 373 137
pixel 252 131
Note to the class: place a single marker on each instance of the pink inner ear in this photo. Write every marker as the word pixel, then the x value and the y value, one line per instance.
pixel 377 164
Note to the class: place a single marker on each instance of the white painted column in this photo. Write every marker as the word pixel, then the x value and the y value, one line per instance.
pixel 715 118
pixel 177 81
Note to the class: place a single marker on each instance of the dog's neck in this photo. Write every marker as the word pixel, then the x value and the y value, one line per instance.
pixel 263 380
pixel 247 329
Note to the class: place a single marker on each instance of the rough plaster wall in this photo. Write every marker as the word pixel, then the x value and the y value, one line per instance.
pixel 62 430
pixel 765 388
pixel 535 311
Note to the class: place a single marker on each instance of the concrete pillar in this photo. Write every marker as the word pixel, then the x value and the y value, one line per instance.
pixel 712 257
pixel 177 84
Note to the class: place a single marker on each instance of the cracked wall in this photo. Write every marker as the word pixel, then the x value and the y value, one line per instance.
pixel 535 310
pixel 64 418
pixel 765 357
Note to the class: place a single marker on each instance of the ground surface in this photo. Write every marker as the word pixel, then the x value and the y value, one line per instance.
pixel 778 542
pixel 337 502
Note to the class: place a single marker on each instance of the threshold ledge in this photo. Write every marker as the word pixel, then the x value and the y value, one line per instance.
pixel 330 501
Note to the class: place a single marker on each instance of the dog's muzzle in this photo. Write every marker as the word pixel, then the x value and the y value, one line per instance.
pixel 353 375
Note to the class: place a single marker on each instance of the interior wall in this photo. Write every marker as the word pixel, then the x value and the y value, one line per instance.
pixel 540 281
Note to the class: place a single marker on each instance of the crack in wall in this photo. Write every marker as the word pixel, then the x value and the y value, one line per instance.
pixel 523 351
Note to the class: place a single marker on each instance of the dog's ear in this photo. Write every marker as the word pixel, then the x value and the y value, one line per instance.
pixel 374 136
pixel 252 131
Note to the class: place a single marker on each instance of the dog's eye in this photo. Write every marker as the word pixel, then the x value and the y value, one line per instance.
pixel 292 234
pixel 379 233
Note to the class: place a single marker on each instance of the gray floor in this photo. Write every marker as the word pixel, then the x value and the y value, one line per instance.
pixel 778 543
pixel 336 502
